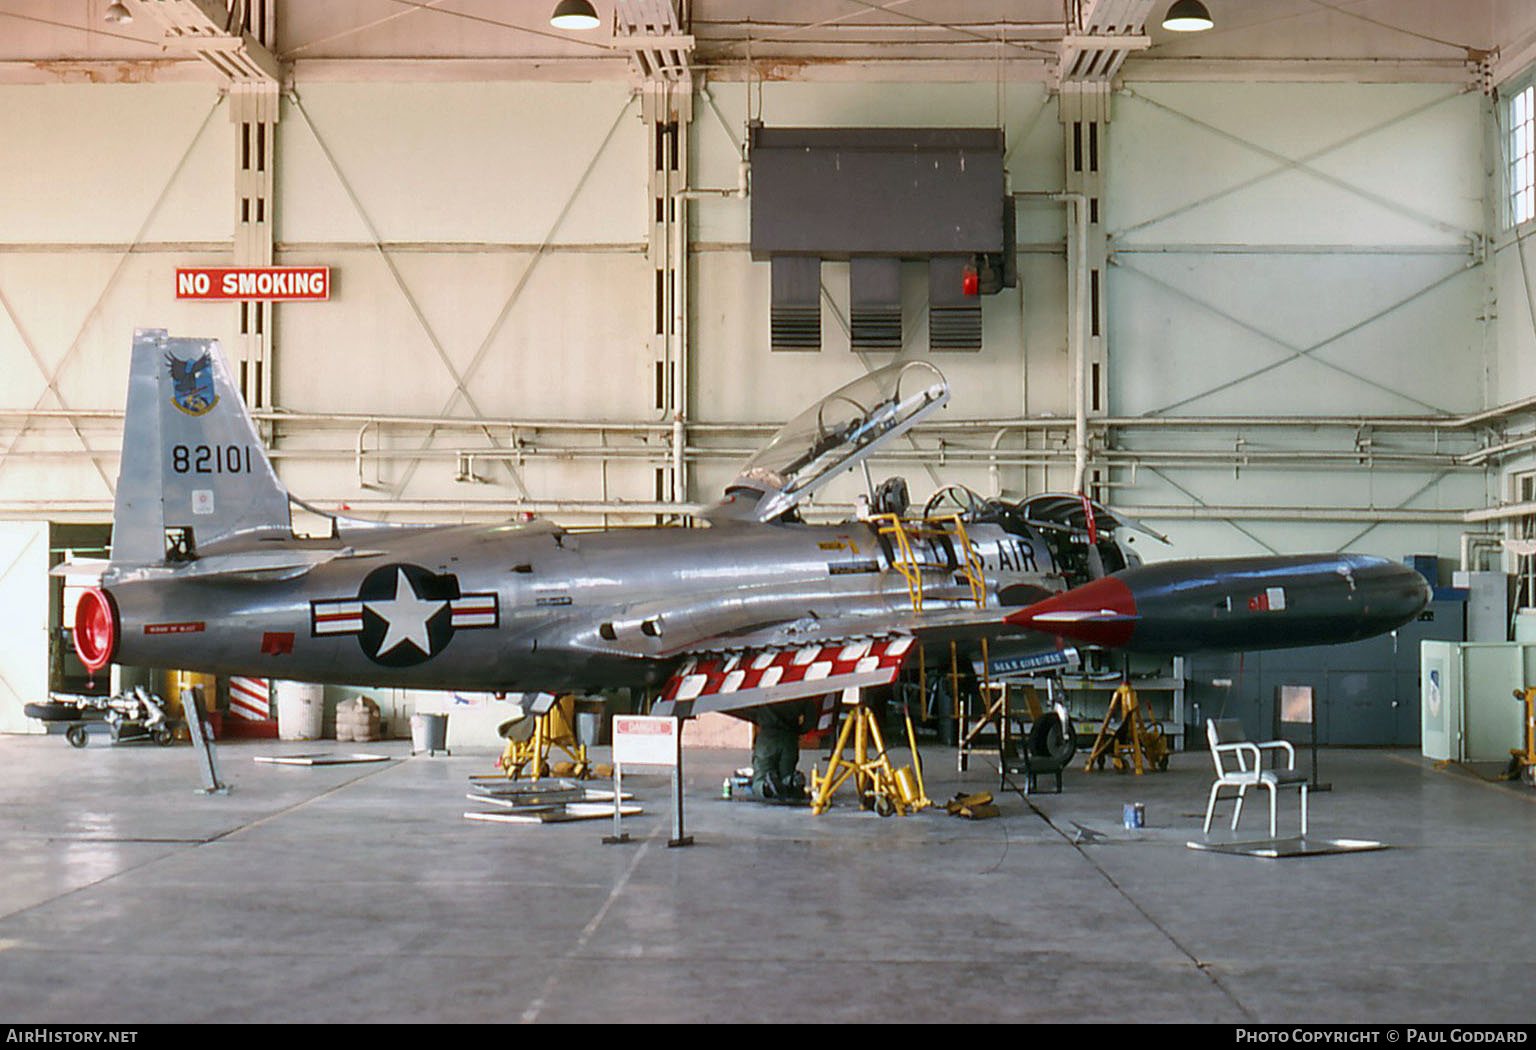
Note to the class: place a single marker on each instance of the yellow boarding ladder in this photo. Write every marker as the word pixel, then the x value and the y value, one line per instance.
pixel 904 560
pixel 904 537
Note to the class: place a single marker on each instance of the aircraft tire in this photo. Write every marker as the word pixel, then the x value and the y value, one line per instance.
pixel 1047 740
pixel 52 712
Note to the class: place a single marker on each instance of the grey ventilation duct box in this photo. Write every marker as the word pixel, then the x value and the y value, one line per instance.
pixel 954 308
pixel 874 303
pixel 873 197
pixel 795 316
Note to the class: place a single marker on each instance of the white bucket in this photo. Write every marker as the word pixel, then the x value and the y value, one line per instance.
pixel 300 710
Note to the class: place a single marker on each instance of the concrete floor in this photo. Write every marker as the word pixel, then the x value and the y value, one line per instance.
pixel 360 893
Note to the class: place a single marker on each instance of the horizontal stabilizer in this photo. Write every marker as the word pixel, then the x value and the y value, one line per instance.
pixel 81 569
pixel 252 566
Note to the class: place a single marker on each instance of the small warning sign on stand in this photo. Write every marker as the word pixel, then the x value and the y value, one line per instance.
pixel 641 740
pixel 648 741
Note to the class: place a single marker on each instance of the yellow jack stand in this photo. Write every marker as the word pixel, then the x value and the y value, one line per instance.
pixel 531 736
pixel 1132 742
pixel 881 786
pixel 1523 762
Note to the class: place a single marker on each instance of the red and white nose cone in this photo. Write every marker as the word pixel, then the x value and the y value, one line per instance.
pixel 95 629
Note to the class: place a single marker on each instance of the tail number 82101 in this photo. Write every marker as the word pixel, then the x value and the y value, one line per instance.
pixel 211 459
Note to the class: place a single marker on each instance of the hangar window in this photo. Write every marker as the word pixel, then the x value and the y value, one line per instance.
pixel 1522 155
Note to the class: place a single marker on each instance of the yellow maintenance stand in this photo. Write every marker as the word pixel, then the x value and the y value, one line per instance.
pixel 910 541
pixel 885 788
pixel 544 726
pixel 915 546
pixel 1127 739
pixel 1522 762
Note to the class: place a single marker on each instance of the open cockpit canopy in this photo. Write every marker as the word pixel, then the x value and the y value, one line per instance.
pixel 833 435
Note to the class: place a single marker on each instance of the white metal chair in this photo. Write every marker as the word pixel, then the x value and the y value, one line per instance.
pixel 1240 764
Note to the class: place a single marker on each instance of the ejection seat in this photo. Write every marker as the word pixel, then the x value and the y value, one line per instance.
pixel 1240 764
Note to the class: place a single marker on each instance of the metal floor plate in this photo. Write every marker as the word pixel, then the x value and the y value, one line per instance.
pixel 551 798
pixel 555 814
pixel 319 759
pixel 1274 849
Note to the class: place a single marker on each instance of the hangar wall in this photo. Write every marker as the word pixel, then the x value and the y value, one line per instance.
pixel 492 235
pixel 488 241
pixel 1300 250
pixel 111 188
pixel 1022 368
pixel 1515 261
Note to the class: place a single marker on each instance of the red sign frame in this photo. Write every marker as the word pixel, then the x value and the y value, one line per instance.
pixel 273 284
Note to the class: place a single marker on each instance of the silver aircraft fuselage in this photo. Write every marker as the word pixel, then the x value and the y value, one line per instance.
pixel 520 608
pixel 207 573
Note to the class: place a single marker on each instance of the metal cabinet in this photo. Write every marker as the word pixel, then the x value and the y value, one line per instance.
pixel 1368 692
pixel 1468 710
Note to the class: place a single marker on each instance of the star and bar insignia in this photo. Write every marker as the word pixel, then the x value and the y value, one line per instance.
pixel 403 614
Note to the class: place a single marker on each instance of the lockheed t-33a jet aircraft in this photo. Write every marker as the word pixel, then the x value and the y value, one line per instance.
pixel 758 608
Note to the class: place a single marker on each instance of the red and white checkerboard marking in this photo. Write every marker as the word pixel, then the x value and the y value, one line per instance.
pixel 769 675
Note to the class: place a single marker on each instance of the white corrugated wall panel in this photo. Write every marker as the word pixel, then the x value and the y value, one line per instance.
pixel 23 622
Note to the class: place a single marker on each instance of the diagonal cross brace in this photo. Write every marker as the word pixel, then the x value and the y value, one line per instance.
pixel 1296 351
pixel 1303 165
pixel 1431 483
pixel 1190 495
pixel 460 379
pixel 51 378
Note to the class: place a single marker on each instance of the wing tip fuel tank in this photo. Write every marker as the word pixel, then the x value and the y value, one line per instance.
pixel 1233 604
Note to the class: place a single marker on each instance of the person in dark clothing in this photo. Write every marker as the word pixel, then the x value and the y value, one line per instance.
pixel 776 753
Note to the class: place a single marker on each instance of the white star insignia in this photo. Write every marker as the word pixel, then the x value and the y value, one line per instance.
pixel 406 616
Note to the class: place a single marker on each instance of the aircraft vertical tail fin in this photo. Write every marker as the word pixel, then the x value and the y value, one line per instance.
pixel 194 475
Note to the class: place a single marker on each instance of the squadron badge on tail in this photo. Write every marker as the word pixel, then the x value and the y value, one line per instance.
pixel 192 388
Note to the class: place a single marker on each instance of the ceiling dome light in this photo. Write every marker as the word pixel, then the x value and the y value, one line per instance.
pixel 574 14
pixel 1187 16
pixel 117 13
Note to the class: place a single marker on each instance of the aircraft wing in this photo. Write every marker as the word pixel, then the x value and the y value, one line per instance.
pixel 811 657
pixel 753 677
pixel 773 668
